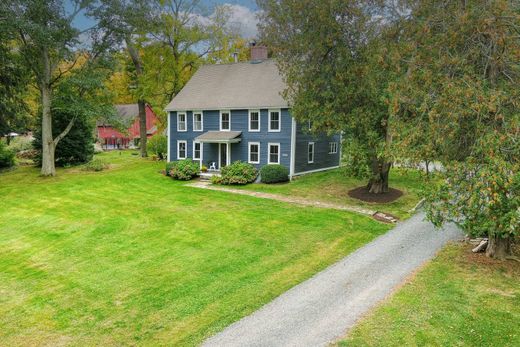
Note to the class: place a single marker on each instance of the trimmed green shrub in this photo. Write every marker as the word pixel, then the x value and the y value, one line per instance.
pixel 6 156
pixel 158 145
pixel 96 164
pixel 184 170
pixel 238 172
pixel 274 173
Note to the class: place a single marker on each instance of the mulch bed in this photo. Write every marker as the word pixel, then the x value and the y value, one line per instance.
pixel 361 193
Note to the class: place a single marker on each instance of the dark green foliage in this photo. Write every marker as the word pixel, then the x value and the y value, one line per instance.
pixel 238 172
pixel 274 173
pixel 6 156
pixel 168 167
pixel 96 164
pixel 158 145
pixel 184 170
pixel 75 148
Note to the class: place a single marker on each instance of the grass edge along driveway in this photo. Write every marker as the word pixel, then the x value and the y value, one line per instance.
pixel 127 256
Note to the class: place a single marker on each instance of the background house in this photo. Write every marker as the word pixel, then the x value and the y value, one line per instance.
pixel 111 135
pixel 232 112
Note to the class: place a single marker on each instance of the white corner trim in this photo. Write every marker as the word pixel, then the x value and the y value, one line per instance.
pixel 185 149
pixel 249 121
pixel 249 152
pixel 279 121
pixel 293 146
pixel 185 121
pixel 269 152
pixel 220 120
pixel 316 170
pixel 169 138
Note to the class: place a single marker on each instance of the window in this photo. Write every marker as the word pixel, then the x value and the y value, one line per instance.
pixel 274 120
pixel 181 122
pixel 310 153
pixel 196 150
pixel 254 153
pixel 254 120
pixel 274 153
pixel 310 125
pixel 181 149
pixel 225 120
pixel 333 147
pixel 197 121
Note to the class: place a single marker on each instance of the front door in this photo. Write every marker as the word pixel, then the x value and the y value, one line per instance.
pixel 223 154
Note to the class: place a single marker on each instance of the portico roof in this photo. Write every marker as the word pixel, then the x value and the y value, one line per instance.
pixel 219 137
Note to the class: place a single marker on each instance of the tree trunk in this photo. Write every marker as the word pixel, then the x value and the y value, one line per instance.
pixel 499 247
pixel 142 127
pixel 48 145
pixel 378 183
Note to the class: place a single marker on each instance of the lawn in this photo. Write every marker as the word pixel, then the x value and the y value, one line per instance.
pixel 127 256
pixel 459 299
pixel 333 186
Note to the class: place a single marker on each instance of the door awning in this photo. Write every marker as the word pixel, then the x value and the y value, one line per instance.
pixel 219 137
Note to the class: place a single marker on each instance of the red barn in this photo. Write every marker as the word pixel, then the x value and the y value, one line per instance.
pixel 127 118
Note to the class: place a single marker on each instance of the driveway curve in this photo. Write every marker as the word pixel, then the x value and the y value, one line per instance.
pixel 323 308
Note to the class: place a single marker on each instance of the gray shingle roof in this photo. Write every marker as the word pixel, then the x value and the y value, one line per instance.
pixel 239 85
pixel 219 136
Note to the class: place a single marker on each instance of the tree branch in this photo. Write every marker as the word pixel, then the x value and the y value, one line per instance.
pixel 64 132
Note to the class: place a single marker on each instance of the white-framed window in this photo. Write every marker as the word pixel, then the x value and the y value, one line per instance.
pixel 181 121
pixel 254 152
pixel 198 121
pixel 254 120
pixel 309 125
pixel 182 149
pixel 273 153
pixel 275 117
pixel 333 147
pixel 225 120
pixel 196 150
pixel 310 153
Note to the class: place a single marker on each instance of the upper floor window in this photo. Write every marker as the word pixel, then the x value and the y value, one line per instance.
pixel 274 120
pixel 309 125
pixel 273 153
pixel 181 122
pixel 254 120
pixel 254 153
pixel 197 121
pixel 181 149
pixel 333 147
pixel 310 153
pixel 225 120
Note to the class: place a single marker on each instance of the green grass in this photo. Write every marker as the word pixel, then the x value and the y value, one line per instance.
pixel 459 299
pixel 333 186
pixel 130 257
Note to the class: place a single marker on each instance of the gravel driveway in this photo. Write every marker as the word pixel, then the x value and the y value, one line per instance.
pixel 323 308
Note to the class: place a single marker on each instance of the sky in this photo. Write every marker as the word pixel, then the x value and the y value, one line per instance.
pixel 242 15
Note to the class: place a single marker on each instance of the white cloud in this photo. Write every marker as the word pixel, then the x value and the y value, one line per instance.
pixel 244 19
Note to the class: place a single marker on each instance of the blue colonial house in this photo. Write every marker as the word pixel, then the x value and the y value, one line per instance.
pixel 230 112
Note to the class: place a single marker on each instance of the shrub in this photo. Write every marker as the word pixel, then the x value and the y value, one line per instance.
pixel 274 173
pixel 21 143
pixel 238 173
pixel 184 170
pixel 158 145
pixel 169 167
pixel 6 156
pixel 204 168
pixel 96 164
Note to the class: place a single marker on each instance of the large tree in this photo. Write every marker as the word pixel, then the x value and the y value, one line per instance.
pixel 332 56
pixel 460 88
pixel 48 44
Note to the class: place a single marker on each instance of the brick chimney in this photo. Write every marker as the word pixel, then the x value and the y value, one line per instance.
pixel 258 52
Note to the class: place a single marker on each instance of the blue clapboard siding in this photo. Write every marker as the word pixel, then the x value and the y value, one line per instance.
pixel 322 158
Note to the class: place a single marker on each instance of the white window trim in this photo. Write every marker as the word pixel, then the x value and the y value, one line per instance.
pixel 220 119
pixel 335 144
pixel 186 149
pixel 249 152
pixel 185 121
pixel 249 121
pixel 269 152
pixel 279 121
pixel 195 158
pixel 201 120
pixel 313 149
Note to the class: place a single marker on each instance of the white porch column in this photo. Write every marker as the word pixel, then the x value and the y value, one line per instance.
pixel 201 153
pixel 228 156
